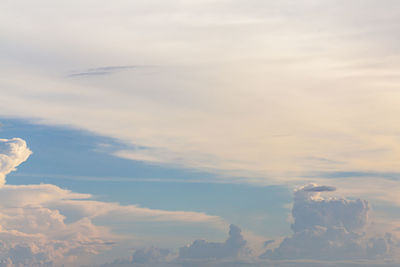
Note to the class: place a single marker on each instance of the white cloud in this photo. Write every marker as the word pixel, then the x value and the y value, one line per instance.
pixel 331 229
pixel 45 225
pixel 310 86
pixel 328 232
pixel 296 94
pixel 12 153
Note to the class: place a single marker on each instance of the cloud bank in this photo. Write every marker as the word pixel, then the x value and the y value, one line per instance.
pixel 327 232
pixel 45 225
pixel 200 249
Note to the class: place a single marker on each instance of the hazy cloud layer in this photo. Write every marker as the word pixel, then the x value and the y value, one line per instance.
pixel 309 88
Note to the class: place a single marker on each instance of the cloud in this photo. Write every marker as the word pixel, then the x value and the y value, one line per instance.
pixel 330 229
pixel 199 253
pixel 103 70
pixel 38 236
pixel 312 91
pixel 12 153
pixel 320 189
pixel 152 255
pixel 310 209
pixel 188 112
pixel 89 73
pixel 45 225
pixel 201 249
pixel 268 242
pixel 328 232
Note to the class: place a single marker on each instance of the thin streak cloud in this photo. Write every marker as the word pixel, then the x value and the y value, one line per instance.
pixel 107 70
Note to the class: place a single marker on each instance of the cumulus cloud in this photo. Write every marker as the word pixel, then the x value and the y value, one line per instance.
pixel 199 253
pixel 152 256
pixel 12 153
pixel 201 249
pixel 329 229
pixel 310 209
pixel 38 236
pixel 45 225
pixel 328 232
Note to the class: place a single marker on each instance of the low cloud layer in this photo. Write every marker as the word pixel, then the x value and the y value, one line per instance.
pixel 327 232
pixel 201 249
pixel 199 253
pixel 45 225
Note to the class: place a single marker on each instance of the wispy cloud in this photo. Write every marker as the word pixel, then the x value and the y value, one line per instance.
pixel 306 106
pixel 107 70
pixel 214 180
pixel 321 188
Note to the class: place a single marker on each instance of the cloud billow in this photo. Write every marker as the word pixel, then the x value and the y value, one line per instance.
pixel 329 229
pixel 12 153
pixel 34 229
pixel 328 232
pixel 45 225
pixel 201 249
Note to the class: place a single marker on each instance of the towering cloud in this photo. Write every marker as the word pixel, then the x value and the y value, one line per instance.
pixel 310 210
pixel 329 229
pixel 12 153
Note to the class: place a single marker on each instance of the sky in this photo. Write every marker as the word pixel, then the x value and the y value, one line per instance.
pixel 199 133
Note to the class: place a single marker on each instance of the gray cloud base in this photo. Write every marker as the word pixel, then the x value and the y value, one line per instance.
pixel 201 249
